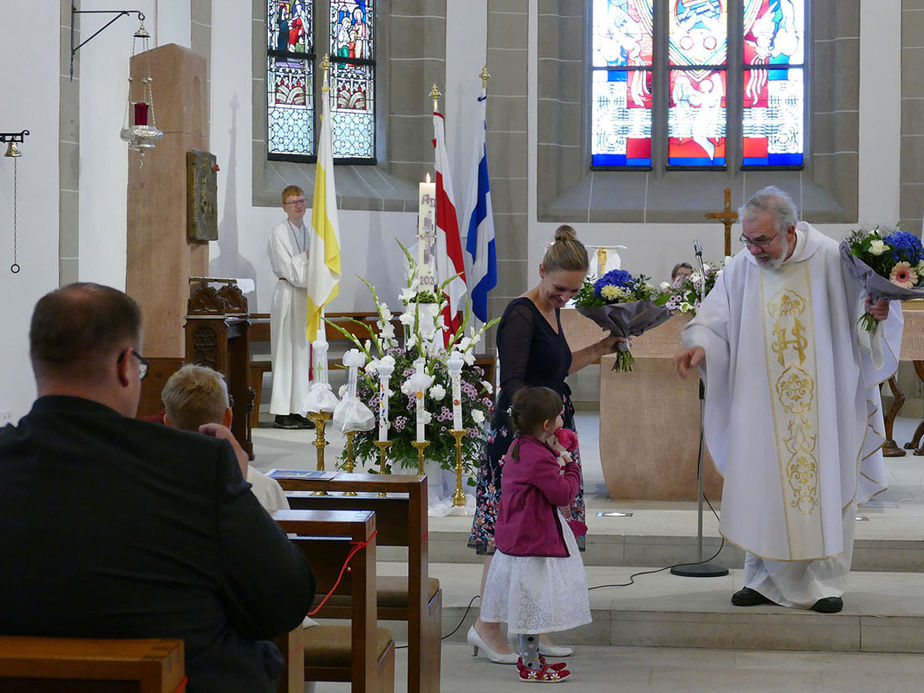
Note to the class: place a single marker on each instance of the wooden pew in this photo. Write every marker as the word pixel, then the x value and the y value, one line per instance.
pixel 401 518
pixel 361 653
pixel 82 665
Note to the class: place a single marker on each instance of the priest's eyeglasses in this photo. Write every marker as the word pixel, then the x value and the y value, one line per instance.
pixel 761 243
pixel 143 364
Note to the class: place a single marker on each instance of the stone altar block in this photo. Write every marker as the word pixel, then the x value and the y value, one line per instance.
pixel 649 424
pixel 649 417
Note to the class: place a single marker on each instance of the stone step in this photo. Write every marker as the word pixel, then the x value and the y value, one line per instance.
pixel 883 612
pixel 640 541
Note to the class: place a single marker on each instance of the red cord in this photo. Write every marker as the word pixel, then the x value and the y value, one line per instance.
pixel 357 546
pixel 183 685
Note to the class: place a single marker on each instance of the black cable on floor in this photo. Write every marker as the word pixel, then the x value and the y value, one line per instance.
pixel 667 567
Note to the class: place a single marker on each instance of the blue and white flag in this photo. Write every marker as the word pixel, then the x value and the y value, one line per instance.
pixel 480 240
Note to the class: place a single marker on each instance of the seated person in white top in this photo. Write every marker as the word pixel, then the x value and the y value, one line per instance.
pixel 196 399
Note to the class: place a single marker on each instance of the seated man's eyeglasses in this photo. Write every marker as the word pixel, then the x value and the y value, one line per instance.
pixel 761 242
pixel 143 364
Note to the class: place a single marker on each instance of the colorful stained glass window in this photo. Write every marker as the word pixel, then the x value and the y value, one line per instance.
pixel 627 70
pixel 697 44
pixel 352 81
pixel 696 118
pixel 621 83
pixel 773 91
pixel 293 66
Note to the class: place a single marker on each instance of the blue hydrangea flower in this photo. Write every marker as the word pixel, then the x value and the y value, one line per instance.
pixel 906 247
pixel 616 277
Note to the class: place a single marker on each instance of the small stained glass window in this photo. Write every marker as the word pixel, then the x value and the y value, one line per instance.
pixel 293 77
pixel 352 79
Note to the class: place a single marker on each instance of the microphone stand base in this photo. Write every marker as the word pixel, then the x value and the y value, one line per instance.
pixel 700 570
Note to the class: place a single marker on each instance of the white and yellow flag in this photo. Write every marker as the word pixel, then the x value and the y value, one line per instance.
pixel 324 256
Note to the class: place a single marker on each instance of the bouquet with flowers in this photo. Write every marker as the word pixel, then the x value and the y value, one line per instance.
pixel 624 305
pixel 424 340
pixel 890 266
pixel 684 294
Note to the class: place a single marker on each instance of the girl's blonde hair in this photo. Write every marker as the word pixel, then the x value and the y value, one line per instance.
pixel 566 252
pixel 532 407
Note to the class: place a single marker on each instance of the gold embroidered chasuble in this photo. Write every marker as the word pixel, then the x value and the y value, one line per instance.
pixel 789 341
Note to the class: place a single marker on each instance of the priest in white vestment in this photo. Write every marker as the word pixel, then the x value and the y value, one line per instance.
pixel 291 353
pixel 793 417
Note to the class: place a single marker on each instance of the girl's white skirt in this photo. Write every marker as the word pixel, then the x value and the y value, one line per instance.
pixel 533 594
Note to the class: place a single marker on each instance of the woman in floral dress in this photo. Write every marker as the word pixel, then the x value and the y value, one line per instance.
pixel 532 351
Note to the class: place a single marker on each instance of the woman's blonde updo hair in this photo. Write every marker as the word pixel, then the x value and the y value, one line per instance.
pixel 566 252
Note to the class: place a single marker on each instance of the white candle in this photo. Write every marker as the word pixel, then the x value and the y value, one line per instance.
pixel 353 359
pixel 426 232
pixel 455 375
pixel 320 361
pixel 385 370
pixel 419 389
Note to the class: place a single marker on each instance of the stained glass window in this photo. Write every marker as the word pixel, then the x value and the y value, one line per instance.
pixel 621 83
pixel 352 80
pixel 697 43
pixel 773 90
pixel 648 84
pixel 293 65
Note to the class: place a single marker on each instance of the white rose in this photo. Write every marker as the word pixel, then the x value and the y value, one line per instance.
pixel 664 286
pixel 878 247
pixel 478 416
pixel 437 392
pixel 372 367
pixel 427 416
pixel 408 389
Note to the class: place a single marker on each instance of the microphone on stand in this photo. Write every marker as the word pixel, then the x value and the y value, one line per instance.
pixel 703 567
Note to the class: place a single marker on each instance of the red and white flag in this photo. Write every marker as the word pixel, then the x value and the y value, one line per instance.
pixel 449 260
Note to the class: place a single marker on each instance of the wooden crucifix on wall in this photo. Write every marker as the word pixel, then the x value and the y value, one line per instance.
pixel 727 217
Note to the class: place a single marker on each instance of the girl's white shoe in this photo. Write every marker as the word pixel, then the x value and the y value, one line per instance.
pixel 477 643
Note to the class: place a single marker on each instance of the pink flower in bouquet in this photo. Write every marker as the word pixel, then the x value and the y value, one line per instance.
pixel 567 438
pixel 902 275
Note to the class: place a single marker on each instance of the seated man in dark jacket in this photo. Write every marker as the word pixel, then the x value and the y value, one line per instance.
pixel 120 528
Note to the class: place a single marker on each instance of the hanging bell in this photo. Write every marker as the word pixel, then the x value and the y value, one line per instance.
pixel 12 150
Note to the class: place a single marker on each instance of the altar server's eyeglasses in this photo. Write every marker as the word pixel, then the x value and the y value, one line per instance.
pixel 761 243
pixel 143 364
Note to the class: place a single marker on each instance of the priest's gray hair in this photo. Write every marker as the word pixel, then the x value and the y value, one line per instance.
pixel 778 203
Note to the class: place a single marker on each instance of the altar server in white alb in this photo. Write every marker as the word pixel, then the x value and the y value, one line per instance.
pixel 288 253
pixel 793 415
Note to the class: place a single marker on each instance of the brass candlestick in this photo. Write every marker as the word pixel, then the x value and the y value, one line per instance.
pixel 458 498
pixel 349 461
pixel 420 445
pixel 320 419
pixel 382 445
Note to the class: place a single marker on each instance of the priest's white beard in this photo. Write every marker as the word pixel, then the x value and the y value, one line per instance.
pixel 770 263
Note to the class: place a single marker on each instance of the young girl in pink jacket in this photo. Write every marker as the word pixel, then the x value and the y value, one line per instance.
pixel 536 582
